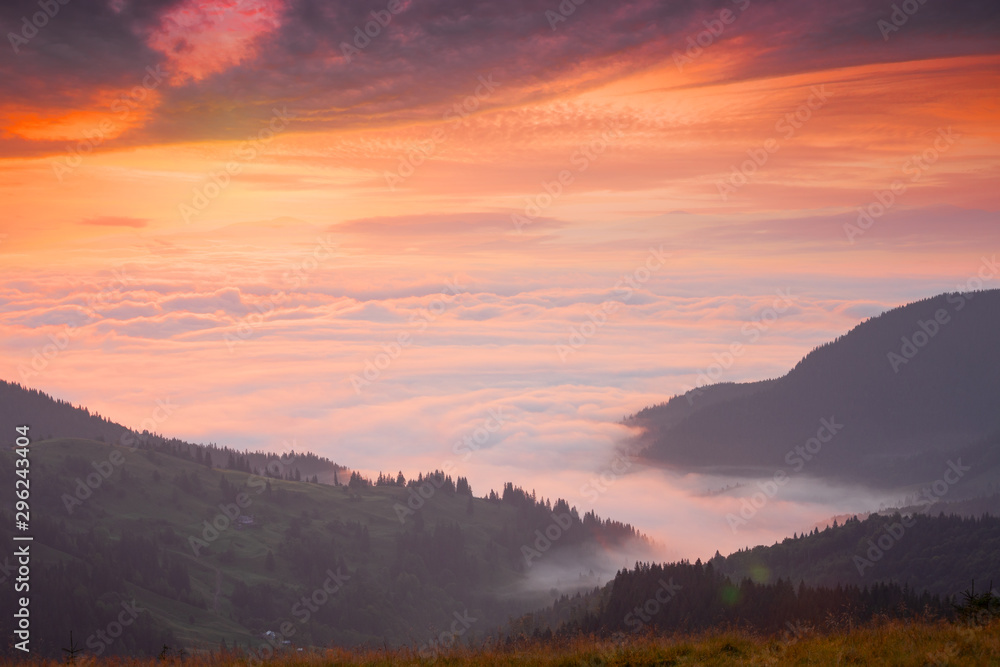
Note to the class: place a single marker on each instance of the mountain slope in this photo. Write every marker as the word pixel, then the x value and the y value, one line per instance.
pixel 887 564
pixel 940 554
pixel 910 388
pixel 54 418
pixel 684 597
pixel 208 556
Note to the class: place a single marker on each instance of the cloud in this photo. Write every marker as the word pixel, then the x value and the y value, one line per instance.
pixel 428 58
pixel 421 225
pixel 170 325
pixel 492 348
pixel 371 312
pixel 112 221
pixel 227 300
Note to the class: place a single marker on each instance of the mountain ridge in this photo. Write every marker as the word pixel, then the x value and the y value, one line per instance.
pixel 209 551
pixel 912 386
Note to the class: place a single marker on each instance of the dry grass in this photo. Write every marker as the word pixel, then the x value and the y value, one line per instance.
pixel 887 643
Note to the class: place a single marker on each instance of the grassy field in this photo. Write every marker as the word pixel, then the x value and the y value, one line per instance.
pixel 887 643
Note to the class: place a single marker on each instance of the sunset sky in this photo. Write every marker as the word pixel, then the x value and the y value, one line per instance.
pixel 304 236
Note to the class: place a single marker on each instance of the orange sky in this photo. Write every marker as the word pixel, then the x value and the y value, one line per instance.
pixel 212 202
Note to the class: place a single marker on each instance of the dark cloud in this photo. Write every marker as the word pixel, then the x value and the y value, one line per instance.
pixel 82 47
pixel 430 56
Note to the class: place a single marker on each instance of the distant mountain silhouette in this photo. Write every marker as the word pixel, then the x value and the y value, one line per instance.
pixel 50 417
pixel 911 388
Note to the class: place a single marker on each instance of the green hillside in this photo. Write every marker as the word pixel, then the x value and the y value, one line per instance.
pixel 885 566
pixel 934 552
pixel 215 557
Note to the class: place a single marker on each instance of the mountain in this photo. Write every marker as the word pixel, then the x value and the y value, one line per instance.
pixel 685 597
pixel 938 553
pixel 888 405
pixel 150 543
pixel 54 418
pixel 892 565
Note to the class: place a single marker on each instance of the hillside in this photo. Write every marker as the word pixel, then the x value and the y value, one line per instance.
pixel 54 418
pixel 214 558
pixel 904 392
pixel 938 553
pixel 896 565
pixel 687 598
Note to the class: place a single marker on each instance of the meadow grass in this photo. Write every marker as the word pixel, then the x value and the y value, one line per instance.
pixel 884 643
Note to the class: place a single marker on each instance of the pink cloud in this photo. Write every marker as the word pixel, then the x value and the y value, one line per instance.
pixel 204 38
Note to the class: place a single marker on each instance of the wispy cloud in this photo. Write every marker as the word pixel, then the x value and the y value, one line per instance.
pixel 113 221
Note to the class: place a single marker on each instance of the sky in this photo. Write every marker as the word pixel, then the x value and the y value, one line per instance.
pixel 382 231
